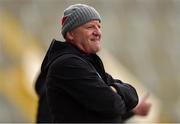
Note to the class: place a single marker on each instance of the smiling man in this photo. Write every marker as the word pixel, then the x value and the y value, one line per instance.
pixel 86 37
pixel 73 85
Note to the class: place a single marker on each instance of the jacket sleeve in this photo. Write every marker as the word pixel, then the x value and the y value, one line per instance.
pixel 126 91
pixel 83 84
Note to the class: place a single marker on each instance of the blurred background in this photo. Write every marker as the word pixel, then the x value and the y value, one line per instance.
pixel 140 45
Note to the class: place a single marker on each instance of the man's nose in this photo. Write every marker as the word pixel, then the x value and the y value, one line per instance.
pixel 97 32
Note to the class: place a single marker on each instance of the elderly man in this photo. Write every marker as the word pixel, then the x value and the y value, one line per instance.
pixel 73 85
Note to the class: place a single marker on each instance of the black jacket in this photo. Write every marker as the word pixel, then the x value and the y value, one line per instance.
pixel 74 87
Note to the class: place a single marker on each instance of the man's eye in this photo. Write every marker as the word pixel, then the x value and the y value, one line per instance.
pixel 89 27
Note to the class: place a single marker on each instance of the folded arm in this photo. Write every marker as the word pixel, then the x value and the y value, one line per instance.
pixel 83 84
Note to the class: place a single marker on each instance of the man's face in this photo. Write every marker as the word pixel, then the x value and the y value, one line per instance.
pixel 87 37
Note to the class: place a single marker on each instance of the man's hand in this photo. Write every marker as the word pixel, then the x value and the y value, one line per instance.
pixel 143 107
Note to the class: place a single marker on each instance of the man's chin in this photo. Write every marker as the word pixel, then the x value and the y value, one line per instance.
pixel 98 49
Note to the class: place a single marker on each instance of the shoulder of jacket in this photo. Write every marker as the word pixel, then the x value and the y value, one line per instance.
pixel 68 58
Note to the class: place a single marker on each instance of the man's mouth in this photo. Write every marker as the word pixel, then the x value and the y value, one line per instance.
pixel 96 39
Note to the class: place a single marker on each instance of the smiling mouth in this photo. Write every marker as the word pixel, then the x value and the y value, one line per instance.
pixel 95 39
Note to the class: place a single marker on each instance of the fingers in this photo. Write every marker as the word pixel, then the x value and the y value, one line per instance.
pixel 144 107
pixel 147 109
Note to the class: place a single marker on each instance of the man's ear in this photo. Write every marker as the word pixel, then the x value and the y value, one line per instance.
pixel 69 35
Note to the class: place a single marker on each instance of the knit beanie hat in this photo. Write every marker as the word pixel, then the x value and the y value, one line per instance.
pixel 76 15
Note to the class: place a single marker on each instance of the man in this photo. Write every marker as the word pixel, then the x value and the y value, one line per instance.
pixel 73 85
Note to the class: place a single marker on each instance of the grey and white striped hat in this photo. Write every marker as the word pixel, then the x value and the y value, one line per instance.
pixel 76 15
